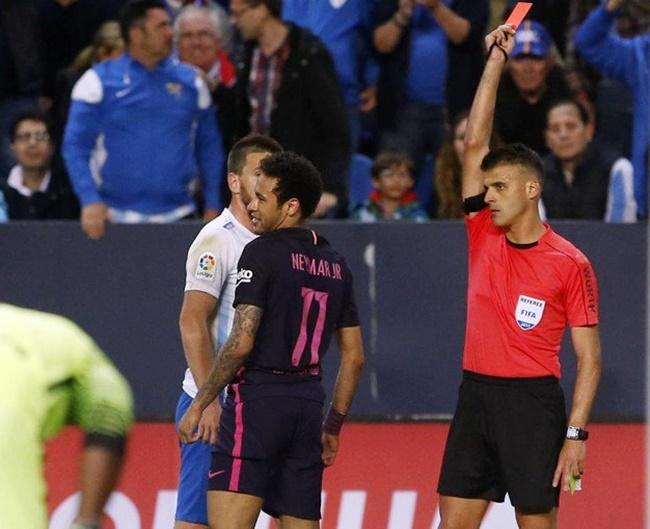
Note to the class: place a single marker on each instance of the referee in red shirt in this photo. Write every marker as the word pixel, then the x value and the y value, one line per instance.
pixel 510 432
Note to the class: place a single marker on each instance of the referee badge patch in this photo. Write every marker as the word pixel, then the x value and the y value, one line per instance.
pixel 205 267
pixel 529 312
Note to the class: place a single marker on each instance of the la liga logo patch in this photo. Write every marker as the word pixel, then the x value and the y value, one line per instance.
pixel 529 312
pixel 206 266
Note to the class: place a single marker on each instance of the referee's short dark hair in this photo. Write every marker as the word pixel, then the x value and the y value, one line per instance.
pixel 247 145
pixel 297 178
pixel 515 154
pixel 274 6
pixel 134 12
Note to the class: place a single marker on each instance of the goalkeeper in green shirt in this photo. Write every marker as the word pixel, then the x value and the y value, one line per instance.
pixel 52 374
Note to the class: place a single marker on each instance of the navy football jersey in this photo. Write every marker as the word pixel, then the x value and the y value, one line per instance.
pixel 305 290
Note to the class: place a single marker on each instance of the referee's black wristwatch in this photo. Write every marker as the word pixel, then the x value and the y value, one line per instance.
pixel 576 434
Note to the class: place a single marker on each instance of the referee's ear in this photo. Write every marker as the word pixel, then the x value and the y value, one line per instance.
pixel 533 189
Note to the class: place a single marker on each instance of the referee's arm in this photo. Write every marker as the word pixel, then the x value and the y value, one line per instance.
pixel 586 342
pixel 481 117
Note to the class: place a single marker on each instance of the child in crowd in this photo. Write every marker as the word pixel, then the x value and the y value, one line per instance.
pixel 393 197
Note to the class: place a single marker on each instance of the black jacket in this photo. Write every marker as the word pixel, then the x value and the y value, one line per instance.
pixel 21 61
pixel 309 115
pixel 586 198
pixel 57 202
pixel 517 120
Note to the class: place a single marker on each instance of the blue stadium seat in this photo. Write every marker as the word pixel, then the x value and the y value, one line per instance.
pixel 360 179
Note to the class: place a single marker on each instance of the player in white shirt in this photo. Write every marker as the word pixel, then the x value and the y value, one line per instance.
pixel 207 315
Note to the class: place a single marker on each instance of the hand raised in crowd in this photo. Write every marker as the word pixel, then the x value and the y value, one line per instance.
pixel 93 220
pixel 503 37
pixel 405 9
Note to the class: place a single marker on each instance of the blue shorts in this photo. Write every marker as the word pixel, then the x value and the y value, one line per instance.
pixel 271 448
pixel 193 479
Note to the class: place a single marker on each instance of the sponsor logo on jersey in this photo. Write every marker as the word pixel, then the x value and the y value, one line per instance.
pixel 589 287
pixel 228 226
pixel 205 267
pixel 529 312
pixel 244 276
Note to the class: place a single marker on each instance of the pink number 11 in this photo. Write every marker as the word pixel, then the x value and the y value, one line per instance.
pixel 308 296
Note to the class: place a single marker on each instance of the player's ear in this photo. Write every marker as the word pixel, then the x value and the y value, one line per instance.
pixel 233 183
pixel 293 207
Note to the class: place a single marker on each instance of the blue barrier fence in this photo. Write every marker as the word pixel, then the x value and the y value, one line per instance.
pixel 410 280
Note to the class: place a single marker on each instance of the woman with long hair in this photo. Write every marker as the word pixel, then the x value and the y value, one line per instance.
pixel 448 170
pixel 447 175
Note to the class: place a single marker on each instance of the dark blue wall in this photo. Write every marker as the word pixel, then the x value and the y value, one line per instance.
pixel 126 291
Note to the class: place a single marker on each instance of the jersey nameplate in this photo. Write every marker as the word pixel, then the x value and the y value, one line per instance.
pixel 529 312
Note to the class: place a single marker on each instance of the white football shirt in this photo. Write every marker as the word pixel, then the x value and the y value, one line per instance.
pixel 212 268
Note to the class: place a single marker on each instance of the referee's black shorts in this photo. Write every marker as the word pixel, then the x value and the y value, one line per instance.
pixel 505 438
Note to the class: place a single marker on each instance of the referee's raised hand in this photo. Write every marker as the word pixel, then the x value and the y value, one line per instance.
pixel 480 121
pixel 503 38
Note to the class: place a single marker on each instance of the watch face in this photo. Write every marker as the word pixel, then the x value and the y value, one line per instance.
pixel 576 434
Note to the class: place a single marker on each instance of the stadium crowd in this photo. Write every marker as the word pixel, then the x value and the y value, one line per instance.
pixel 113 115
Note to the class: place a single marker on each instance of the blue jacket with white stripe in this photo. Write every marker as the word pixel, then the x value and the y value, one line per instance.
pixel 629 61
pixel 135 138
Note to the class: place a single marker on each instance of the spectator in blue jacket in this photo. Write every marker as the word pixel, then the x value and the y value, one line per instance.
pixel 138 126
pixel 345 27
pixel 627 60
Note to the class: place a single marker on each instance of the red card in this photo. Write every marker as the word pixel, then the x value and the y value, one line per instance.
pixel 518 14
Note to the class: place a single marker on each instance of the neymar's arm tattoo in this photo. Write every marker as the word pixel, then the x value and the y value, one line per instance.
pixel 232 354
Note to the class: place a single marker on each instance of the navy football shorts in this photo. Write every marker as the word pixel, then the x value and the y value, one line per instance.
pixel 271 448
pixel 506 437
